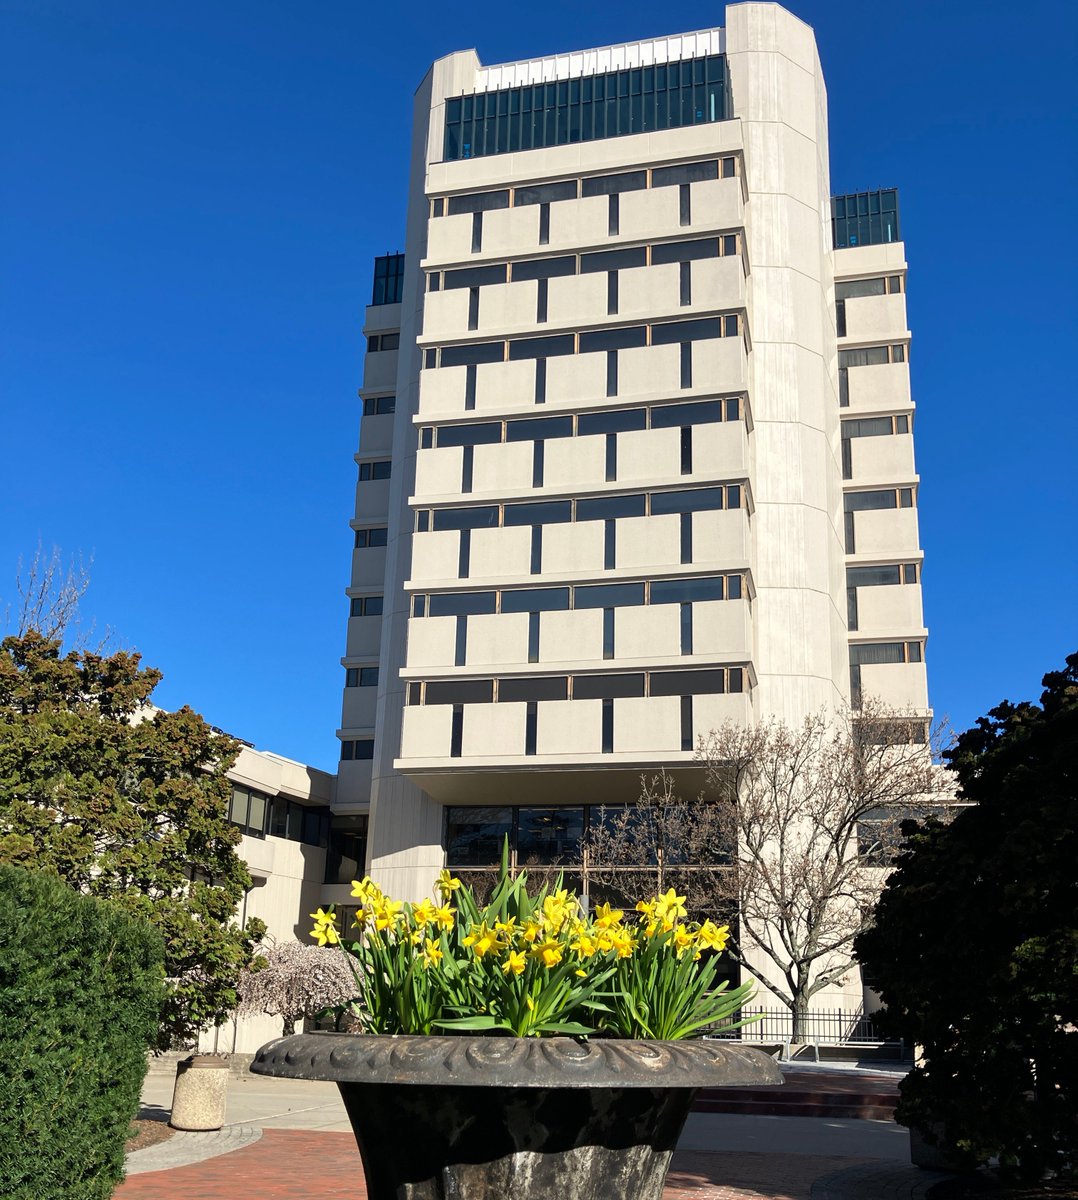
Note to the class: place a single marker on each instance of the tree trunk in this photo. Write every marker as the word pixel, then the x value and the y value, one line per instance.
pixel 799 1015
pixel 289 1026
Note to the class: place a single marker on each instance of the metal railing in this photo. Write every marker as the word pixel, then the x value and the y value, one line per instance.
pixel 834 1027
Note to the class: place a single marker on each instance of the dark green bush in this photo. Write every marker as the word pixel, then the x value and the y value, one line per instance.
pixel 80 993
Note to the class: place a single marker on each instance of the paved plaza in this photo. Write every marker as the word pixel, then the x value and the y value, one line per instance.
pixel 291 1138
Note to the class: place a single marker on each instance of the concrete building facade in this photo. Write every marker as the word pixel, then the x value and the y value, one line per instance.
pixel 636 454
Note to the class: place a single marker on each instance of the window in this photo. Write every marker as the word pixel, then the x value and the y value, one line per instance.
pixel 616 420
pixel 873 427
pixel 375 536
pixel 613 260
pixel 379 406
pixel 478 202
pixel 361 677
pixel 347 855
pixel 249 810
pixel 474 836
pixel 612 185
pixel 548 835
pixel 542 347
pixel 552 512
pixel 473 277
pixel 550 687
pixel 485 517
pixel 465 356
pixel 470 435
pixel 671 416
pixel 461 604
pixel 388 280
pixel 375 470
pixel 695 500
pixel 864 219
pixel 871 356
pixel 687 173
pixel 680 252
pixel 357 750
pixel 534 600
pixel 366 606
pixel 459 691
pixel 544 268
pixel 882 498
pixel 545 193
pixel 607 687
pixel 612 104
pixel 686 331
pixel 608 595
pixel 688 683
pixel 536 429
pixel 684 591
pixel 612 339
pixel 608 508
pixel 383 341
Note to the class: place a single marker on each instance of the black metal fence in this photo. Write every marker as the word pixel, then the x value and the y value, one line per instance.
pixel 834 1026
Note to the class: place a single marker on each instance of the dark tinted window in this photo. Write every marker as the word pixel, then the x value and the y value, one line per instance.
pixel 549 687
pixel 860 501
pixel 468 356
pixel 607 687
pixel 684 251
pixel 613 339
pixel 608 595
pixel 478 202
pixel 606 508
pixel 695 500
pixel 687 173
pixel 606 185
pixel 545 193
pixel 469 277
pixel 543 347
pixel 544 268
pixel 549 835
pixel 460 691
pixel 685 331
pixel 613 260
pixel 666 416
pixel 529 600
pixel 539 429
pixel 687 683
pixel 474 836
pixel 461 604
pixel 466 518
pixel 684 591
pixel 550 513
pixel 470 435
pixel 617 420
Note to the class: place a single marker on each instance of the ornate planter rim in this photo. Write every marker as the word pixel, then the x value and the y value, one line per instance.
pixel 557 1062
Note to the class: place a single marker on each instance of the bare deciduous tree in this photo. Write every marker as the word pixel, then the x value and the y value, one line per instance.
pixel 296 982
pixel 789 841
pixel 49 595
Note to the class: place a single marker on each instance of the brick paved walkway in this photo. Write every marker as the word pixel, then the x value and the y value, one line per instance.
pixel 292 1164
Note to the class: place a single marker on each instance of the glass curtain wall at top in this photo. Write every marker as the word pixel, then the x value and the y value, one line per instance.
pixel 864 219
pixel 668 96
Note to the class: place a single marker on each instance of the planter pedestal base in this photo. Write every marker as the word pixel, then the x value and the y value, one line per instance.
pixel 464 1118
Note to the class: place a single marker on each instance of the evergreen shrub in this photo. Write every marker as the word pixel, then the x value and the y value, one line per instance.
pixel 81 985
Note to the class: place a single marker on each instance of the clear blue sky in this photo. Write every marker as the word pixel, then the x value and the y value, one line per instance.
pixel 192 195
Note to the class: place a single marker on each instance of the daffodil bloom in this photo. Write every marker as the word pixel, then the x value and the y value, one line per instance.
pixel 531 931
pixel 670 907
pixel 423 913
pixel 365 888
pixel 581 974
pixel 443 916
pixel 386 913
pixel 556 909
pixel 325 928
pixel 447 884
pixel 604 940
pixel 585 946
pixel 506 927
pixel 683 940
pixel 712 937
pixel 623 943
pixel 484 940
pixel 605 916
pixel 647 907
pixel 432 953
pixel 514 963
pixel 549 951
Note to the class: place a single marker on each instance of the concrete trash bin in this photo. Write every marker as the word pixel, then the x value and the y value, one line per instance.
pixel 198 1099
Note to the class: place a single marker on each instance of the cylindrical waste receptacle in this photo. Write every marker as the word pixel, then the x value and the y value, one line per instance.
pixel 198 1099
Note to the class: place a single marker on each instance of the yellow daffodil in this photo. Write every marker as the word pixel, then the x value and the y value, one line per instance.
pixel 585 946
pixel 365 888
pixel 325 928
pixel 443 916
pixel 622 941
pixel 683 940
pixel 386 913
pixel 531 931
pixel 647 907
pixel 581 974
pixel 556 910
pixel 670 907
pixel 506 927
pixel 447 884
pixel 605 916
pixel 423 913
pixel 549 951
pixel 514 963
pixel 484 940
pixel 713 937
pixel 432 953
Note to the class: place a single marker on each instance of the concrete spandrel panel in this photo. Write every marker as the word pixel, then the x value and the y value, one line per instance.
pixel 647 724
pixel 720 451
pixel 575 223
pixel 427 731
pixel 886 532
pixel 720 537
pixel 648 371
pixel 891 609
pixel 568 727
pixel 881 386
pixel 883 459
pixel 648 292
pixel 497 639
pixel 368 568
pixel 372 500
pixel 651 455
pixel 573 548
pixel 438 471
pixel 431 642
pixel 719 365
pixel 504 386
pixel 648 632
pixel 858 262
pixel 449 239
pixel 718 283
pixel 510 231
pixel 441 391
pixel 376 435
pixel 576 300
pixel 575 463
pixel 380 370
pixel 502 467
pixel 364 637
pixel 501 553
pixel 571 637
pixel 445 313
pixel 721 630
pixel 507 307
pixel 497 728
pixel 876 318
pixel 902 686
pixel 715 204
pixel 712 712
pixel 435 555
pixel 357 707
pixel 576 378
pixel 354 782
pixel 649 543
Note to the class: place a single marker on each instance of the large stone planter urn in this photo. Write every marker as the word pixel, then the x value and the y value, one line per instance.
pixel 491 1118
